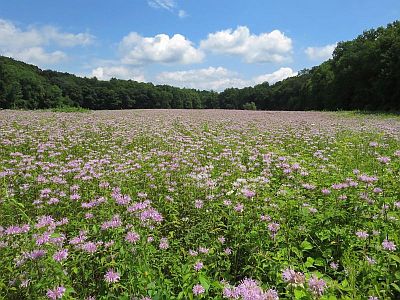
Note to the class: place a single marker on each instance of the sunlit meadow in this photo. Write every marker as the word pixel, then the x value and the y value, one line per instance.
pixel 175 204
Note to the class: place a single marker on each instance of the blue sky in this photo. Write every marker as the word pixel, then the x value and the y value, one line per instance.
pixel 194 43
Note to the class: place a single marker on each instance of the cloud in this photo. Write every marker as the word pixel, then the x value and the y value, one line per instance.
pixel 138 50
pixel 37 55
pixel 265 47
pixel 218 78
pixel 15 38
pixel 169 5
pixel 29 44
pixel 163 4
pixel 182 14
pixel 320 53
pixel 276 76
pixel 203 79
pixel 65 39
pixel 120 72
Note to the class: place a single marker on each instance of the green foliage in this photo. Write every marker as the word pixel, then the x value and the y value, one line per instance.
pixel 246 194
pixel 27 87
pixel 249 106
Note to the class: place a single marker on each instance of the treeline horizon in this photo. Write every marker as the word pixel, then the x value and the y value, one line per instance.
pixel 362 74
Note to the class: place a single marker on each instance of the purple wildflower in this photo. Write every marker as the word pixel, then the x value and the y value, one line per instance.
pixel 113 223
pixel 198 204
pixel 228 251
pixel 248 193
pixel 388 245
pixel 89 247
pixel 198 289
pixel 111 276
pixel 316 286
pixel 370 260
pixel 292 277
pixel 384 159
pixel 362 234
pixel 198 266
pixel 204 250
pixel 56 293
pixel 164 243
pixel 60 255
pixel 334 265
pixel 325 191
pixel 239 207
pixel 132 237
pixel 271 295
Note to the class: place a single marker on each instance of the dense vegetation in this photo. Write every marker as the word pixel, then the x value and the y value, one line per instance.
pixel 187 205
pixel 363 74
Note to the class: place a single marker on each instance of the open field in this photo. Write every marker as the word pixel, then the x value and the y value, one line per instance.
pixel 188 204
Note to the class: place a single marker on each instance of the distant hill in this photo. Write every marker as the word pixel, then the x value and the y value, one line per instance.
pixel 363 74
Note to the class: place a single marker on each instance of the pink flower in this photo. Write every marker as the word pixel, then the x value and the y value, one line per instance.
pixel 198 290
pixel 362 234
pixel 204 250
pixel 56 293
pixel 60 255
pixel 292 277
pixel 316 286
pixel 248 193
pixel 111 276
pixel 198 266
pixel 239 207
pixel 198 204
pixel 384 160
pixel 388 245
pixel 228 251
pixel 89 247
pixel 132 237
pixel 164 243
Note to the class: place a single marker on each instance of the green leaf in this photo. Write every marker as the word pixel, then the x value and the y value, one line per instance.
pixel 217 284
pixel 395 258
pixel 306 245
pixel 397 288
pixel 309 263
pixel 204 282
pixel 320 262
pixel 344 283
pixel 299 294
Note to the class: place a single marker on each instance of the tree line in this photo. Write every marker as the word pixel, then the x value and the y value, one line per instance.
pixel 362 74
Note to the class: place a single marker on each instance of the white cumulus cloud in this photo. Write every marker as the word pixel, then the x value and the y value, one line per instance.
pixel 37 55
pixel 65 39
pixel 120 72
pixel 265 47
pixel 30 44
pixel 218 78
pixel 276 76
pixel 138 50
pixel 320 53
pixel 203 79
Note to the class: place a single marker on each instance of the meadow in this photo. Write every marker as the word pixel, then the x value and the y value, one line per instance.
pixel 199 204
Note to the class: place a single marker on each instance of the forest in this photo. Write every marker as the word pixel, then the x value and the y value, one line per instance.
pixel 363 74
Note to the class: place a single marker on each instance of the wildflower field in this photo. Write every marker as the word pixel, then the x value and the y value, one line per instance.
pixel 175 204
